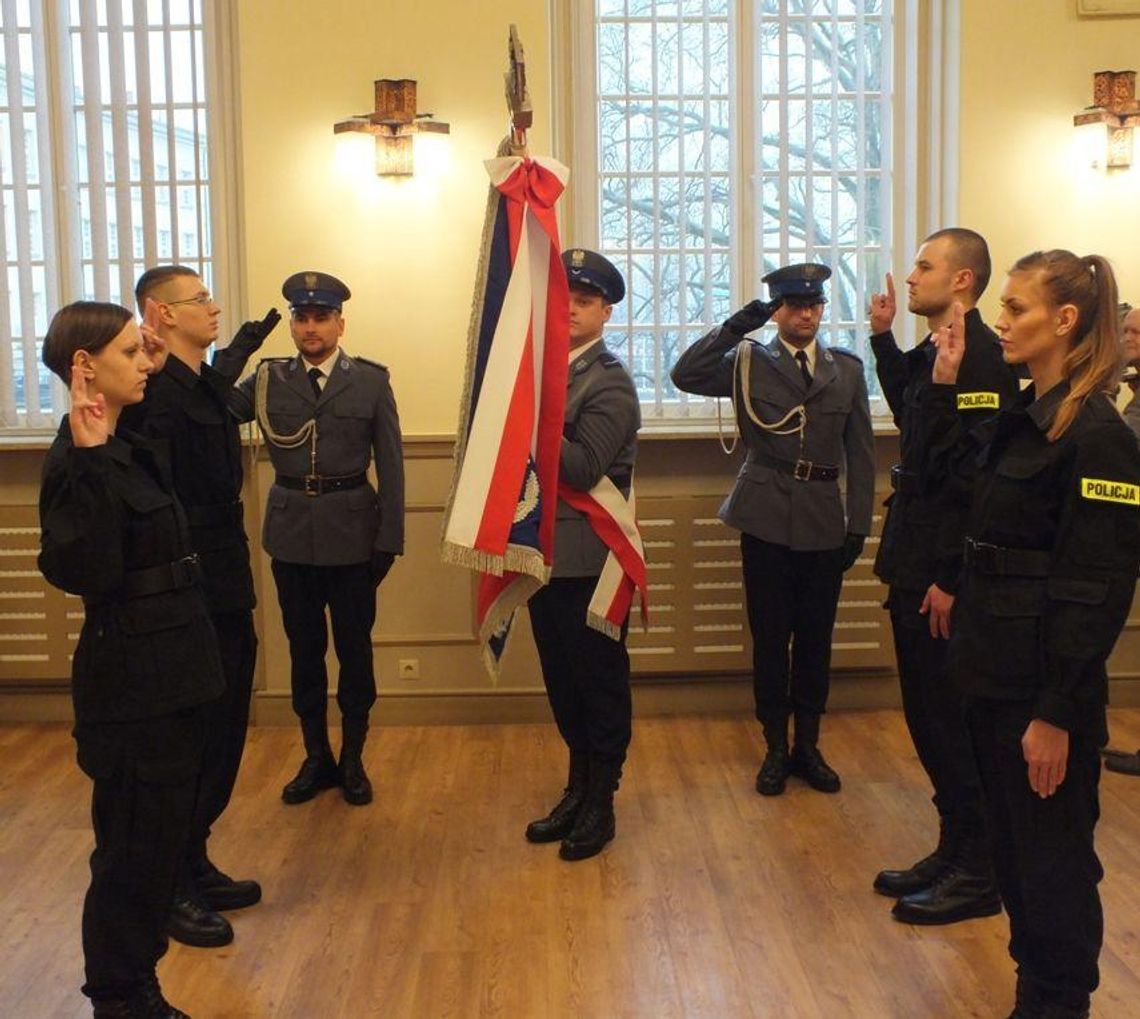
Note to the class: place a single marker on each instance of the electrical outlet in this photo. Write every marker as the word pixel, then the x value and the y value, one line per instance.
pixel 408 668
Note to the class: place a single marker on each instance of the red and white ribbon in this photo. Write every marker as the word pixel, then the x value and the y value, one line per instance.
pixel 613 518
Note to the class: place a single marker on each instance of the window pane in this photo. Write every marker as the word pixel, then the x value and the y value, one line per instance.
pixel 665 152
pixel 820 148
pixel 116 206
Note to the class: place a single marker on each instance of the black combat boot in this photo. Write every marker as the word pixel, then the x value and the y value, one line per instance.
pixel 594 826
pixel 146 1003
pixel 772 778
pixel 966 889
pixel 560 821
pixel 192 922
pixel 806 761
pixel 318 770
pixel 897 883
pixel 355 786
pixel 1055 1010
pixel 219 891
pixel 1028 1002
pixel 151 996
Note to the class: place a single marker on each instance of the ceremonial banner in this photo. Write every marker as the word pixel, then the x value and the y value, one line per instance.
pixel 613 518
pixel 500 514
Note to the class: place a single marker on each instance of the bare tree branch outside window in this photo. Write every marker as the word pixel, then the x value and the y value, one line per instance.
pixel 821 110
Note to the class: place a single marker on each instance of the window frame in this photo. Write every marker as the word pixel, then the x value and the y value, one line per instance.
pixel 924 155
pixel 59 155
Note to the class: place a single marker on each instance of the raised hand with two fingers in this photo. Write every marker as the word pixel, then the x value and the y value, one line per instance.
pixel 951 343
pixel 88 417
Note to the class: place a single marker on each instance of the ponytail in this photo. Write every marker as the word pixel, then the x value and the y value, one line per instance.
pixel 1093 361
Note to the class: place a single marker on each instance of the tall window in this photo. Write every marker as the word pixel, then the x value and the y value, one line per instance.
pixel 104 167
pixel 723 138
pixel 664 214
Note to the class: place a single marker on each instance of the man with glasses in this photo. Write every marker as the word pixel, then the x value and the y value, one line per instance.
pixel 186 405
pixel 804 416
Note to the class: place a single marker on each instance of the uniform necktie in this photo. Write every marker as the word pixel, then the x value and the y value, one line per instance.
pixel 801 357
pixel 315 380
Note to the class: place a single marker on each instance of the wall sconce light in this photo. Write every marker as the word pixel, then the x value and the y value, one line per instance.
pixel 394 124
pixel 1116 108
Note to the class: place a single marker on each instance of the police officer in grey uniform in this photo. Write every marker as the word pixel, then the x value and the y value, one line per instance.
pixel 331 535
pixel 586 672
pixel 803 414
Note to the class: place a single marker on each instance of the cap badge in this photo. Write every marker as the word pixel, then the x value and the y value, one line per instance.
pixel 310 281
pixel 577 258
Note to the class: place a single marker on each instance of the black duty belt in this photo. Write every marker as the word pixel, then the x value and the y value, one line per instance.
pixel 801 470
pixel 215 514
pixel 184 572
pixel 905 481
pixel 1006 562
pixel 319 484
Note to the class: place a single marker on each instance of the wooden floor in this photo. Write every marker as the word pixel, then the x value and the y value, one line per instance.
pixel 712 902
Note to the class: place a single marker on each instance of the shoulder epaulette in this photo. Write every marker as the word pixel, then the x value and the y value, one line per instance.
pixel 610 359
pixel 374 364
pixel 846 353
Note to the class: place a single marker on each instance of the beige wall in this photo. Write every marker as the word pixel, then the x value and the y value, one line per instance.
pixel 407 249
pixel 1026 69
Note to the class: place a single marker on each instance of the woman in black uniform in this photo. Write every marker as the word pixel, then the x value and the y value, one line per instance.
pixel 146 661
pixel 1051 558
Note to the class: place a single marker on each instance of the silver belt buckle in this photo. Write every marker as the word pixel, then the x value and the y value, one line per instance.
pixel 312 484
pixel 802 470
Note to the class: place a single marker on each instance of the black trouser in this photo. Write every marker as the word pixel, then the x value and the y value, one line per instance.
pixel 146 782
pixel 586 673
pixel 348 592
pixel 1046 864
pixel 792 598
pixel 934 708
pixel 227 723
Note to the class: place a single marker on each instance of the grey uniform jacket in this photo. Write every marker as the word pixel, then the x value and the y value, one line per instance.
pixel 768 504
pixel 356 423
pixel 599 437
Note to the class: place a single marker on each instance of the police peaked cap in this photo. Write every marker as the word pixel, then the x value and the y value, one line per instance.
pixel 802 282
pixel 314 289
pixel 589 269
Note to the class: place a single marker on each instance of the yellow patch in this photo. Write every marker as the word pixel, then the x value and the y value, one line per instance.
pixel 1110 491
pixel 978 401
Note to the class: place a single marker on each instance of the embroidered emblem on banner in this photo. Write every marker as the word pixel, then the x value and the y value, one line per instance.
pixel 978 401
pixel 1110 491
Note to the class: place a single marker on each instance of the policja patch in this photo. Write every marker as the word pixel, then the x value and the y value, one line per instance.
pixel 978 401
pixel 1110 491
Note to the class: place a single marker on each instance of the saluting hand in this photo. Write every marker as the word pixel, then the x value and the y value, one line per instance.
pixel 881 313
pixel 1046 751
pixel 254 333
pixel 88 418
pixel 951 343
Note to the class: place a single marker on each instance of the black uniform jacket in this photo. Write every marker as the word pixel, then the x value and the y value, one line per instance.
pixel 191 413
pixel 105 513
pixel 1052 550
pixel 922 535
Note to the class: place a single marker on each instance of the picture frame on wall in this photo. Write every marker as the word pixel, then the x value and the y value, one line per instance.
pixel 1108 8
